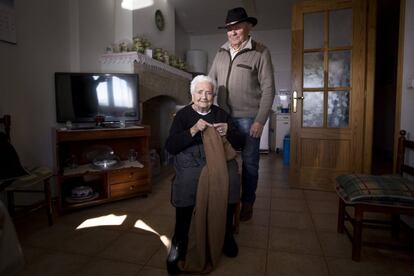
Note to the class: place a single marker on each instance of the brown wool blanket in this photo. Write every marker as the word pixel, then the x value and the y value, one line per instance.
pixel 208 223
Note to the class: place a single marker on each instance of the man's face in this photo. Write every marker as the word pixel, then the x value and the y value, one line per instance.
pixel 238 33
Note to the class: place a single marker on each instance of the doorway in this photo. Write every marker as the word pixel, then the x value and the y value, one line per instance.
pixel 386 68
pixel 328 65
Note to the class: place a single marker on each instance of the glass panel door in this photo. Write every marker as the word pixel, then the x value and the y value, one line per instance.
pixel 327 80
pixel 329 57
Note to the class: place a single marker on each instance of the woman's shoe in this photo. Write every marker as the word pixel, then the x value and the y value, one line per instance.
pixel 177 253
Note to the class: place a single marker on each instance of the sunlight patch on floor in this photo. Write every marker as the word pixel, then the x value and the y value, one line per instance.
pixel 102 221
pixel 142 225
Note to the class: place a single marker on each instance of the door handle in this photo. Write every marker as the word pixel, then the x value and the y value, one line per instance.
pixel 295 99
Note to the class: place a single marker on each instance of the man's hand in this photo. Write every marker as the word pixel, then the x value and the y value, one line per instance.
pixel 256 130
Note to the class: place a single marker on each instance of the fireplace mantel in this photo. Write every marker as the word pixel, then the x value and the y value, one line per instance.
pixel 156 78
pixel 131 57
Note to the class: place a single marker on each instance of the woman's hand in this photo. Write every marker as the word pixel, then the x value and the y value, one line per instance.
pixel 221 128
pixel 199 126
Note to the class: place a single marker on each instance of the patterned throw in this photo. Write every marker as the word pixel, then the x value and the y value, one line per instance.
pixel 382 190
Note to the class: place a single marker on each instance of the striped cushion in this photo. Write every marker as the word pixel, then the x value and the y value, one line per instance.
pixel 384 189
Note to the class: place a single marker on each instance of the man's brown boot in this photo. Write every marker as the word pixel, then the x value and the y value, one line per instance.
pixel 246 212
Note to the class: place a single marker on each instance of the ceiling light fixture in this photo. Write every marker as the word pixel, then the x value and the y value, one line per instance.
pixel 136 4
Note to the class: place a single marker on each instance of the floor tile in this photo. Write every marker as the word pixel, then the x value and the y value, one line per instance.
pixel 403 267
pixel 158 260
pixel 134 248
pixel 253 236
pixel 320 195
pixel 286 204
pixel 297 220
pixel 335 245
pixel 250 261
pixel 323 206
pixel 294 241
pixel 288 193
pixel 32 254
pixel 55 263
pixel 260 217
pixel 264 192
pixel 325 222
pixel 282 263
pixel 105 267
pixel 152 271
pixel 89 241
pixel 52 237
pixel 368 267
pixel 262 203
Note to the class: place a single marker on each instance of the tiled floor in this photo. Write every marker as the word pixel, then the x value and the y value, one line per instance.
pixel 293 232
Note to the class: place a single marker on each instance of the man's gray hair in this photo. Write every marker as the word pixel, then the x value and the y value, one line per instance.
pixel 202 78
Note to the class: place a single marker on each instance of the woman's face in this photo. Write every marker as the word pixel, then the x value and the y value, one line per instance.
pixel 203 96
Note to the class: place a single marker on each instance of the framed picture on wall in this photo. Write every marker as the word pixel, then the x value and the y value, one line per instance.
pixel 8 21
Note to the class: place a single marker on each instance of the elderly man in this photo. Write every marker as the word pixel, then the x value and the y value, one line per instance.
pixel 243 70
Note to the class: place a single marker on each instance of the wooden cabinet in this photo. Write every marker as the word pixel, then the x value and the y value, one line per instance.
pixel 76 155
pixel 128 181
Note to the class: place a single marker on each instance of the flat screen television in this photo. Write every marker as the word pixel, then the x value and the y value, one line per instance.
pixel 80 97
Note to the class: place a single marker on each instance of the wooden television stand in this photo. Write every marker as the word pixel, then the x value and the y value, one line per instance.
pixel 76 151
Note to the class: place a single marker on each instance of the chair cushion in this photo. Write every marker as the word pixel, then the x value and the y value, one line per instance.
pixel 384 189
pixel 10 167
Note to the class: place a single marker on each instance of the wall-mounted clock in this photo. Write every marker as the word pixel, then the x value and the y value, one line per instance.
pixel 159 20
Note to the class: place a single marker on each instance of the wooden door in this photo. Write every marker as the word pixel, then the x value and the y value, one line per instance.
pixel 328 80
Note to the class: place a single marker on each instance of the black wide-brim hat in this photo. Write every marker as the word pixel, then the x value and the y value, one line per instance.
pixel 238 15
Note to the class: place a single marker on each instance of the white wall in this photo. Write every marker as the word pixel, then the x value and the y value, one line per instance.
pixel 407 99
pixel 278 42
pixel 123 23
pixel 208 43
pixel 144 25
pixel 182 41
pixel 103 23
pixel 26 75
pixel 96 31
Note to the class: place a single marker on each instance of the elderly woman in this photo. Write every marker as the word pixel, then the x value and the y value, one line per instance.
pixel 185 143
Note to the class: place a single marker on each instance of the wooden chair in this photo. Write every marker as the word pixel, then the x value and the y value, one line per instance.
pixel 21 180
pixel 388 194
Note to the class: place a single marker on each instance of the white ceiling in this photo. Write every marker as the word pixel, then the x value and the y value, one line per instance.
pixel 199 17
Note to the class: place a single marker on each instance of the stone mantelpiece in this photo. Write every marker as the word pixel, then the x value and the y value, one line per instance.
pixel 156 78
pixel 155 83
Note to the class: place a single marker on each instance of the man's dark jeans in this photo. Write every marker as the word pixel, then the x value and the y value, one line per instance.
pixel 250 158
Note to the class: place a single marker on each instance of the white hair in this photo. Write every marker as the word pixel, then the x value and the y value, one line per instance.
pixel 202 78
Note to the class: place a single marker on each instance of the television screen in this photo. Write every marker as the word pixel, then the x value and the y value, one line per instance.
pixel 80 97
